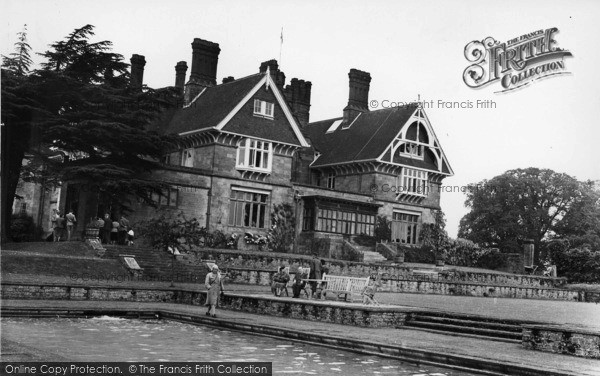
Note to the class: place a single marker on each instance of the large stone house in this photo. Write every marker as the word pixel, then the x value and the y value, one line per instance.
pixel 247 145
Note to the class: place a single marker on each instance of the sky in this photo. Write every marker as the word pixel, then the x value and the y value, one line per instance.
pixel 412 49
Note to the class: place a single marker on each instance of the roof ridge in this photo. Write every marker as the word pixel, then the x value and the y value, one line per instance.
pixel 237 79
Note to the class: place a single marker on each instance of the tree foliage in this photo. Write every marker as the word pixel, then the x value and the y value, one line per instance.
pixel 529 203
pixel 81 103
pixel 283 228
pixel 434 235
pixel 171 231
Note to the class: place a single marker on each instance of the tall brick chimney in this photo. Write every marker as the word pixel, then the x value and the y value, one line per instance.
pixel 277 75
pixel 137 70
pixel 180 71
pixel 298 96
pixel 205 56
pixel 358 99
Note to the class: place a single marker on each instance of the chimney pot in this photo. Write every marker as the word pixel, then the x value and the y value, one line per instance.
pixel 180 71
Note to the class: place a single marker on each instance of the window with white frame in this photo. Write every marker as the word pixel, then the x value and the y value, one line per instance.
pixel 413 182
pixel 412 150
pixel 248 208
pixel 405 227
pixel 263 108
pixel 187 158
pixel 255 155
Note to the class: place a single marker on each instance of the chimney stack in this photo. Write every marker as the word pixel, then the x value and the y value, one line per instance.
pixel 205 56
pixel 277 75
pixel 298 96
pixel 358 99
pixel 180 71
pixel 228 79
pixel 137 70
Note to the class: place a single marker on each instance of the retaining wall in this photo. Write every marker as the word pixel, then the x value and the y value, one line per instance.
pixel 332 312
pixel 562 339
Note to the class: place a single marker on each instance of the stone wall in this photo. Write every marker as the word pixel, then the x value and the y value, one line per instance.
pixel 270 261
pixel 332 312
pixel 415 286
pixel 562 339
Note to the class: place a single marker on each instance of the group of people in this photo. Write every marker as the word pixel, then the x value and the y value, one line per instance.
pixel 116 232
pixel 63 223
pixel 215 288
pixel 112 231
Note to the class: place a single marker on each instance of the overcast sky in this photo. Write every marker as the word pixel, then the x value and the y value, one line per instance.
pixel 411 48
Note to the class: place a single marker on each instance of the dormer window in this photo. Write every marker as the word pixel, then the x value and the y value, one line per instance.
pixel 411 150
pixel 263 109
pixel 255 155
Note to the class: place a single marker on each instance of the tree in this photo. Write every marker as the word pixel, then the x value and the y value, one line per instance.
pixel 81 102
pixel 528 203
pixel 434 235
pixel 17 112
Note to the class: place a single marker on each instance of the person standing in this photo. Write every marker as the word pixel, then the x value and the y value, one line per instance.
pixel 214 285
pixel 123 228
pixel 114 232
pixel 106 229
pixel 60 228
pixel 55 217
pixel 71 221
pixel 315 273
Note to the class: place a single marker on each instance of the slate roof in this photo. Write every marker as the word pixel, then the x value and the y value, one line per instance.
pixel 366 139
pixel 212 106
pixel 216 102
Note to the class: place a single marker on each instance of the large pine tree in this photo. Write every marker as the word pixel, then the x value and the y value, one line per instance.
pixel 81 103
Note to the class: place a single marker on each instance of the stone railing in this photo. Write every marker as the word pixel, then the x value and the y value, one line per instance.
pixel 417 285
pixel 269 261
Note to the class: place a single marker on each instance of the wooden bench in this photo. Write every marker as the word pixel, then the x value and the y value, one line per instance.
pixel 349 286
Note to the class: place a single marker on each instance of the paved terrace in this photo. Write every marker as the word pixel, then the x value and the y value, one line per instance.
pixel 480 350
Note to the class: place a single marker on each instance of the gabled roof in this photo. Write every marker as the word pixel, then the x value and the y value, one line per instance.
pixel 367 138
pixel 212 106
pixel 364 139
pixel 216 107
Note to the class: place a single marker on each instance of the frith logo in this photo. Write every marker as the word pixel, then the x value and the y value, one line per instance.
pixel 516 63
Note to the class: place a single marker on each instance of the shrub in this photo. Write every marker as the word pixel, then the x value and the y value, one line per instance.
pixel 579 264
pixel 423 254
pixel 283 228
pixel 383 229
pixel 463 252
pixel 22 228
pixel 491 258
pixel 364 240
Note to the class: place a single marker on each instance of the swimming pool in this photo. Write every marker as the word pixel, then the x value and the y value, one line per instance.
pixel 116 339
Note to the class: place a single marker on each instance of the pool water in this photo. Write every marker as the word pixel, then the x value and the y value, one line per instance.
pixel 115 339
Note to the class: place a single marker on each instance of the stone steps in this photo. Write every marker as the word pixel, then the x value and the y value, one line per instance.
pixel 470 325
pixel 158 265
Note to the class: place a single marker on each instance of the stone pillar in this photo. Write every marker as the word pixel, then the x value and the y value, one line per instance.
pixel 528 253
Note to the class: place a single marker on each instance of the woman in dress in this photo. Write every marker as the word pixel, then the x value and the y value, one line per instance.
pixel 214 285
